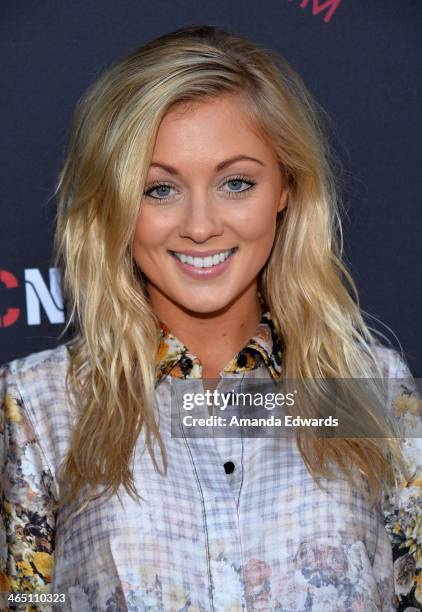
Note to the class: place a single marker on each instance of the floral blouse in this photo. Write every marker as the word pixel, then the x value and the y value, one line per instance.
pixel 238 524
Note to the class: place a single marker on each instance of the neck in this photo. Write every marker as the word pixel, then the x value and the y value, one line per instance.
pixel 214 337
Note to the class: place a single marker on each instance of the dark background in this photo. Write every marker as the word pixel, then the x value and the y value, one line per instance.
pixel 363 66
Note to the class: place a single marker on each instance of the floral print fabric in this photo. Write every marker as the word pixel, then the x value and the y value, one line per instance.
pixel 262 538
pixel 27 537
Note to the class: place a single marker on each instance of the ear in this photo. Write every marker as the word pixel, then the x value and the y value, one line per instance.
pixel 284 196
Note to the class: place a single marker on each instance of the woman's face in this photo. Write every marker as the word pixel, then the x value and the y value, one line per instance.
pixel 208 215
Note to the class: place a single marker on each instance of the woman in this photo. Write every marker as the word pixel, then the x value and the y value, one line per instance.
pixel 198 234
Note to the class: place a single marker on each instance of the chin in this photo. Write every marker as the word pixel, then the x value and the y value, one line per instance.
pixel 204 305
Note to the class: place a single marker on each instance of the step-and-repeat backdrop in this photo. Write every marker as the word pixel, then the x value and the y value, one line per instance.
pixel 361 60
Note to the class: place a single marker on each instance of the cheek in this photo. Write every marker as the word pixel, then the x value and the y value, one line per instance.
pixel 259 226
pixel 152 231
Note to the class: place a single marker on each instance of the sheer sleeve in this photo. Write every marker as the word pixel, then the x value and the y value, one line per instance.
pixel 26 520
pixel 403 509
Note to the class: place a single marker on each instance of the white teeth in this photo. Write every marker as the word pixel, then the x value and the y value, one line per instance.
pixel 203 262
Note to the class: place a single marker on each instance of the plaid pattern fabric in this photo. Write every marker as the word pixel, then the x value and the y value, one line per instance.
pixel 264 537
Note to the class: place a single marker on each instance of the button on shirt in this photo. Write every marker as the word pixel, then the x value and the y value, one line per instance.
pixel 237 524
pixel 229 467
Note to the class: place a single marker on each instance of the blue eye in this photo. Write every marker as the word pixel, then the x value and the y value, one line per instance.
pixel 236 183
pixel 161 189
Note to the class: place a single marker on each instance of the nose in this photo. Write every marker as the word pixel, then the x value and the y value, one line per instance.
pixel 201 219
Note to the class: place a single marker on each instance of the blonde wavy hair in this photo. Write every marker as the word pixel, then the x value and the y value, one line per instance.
pixel 111 369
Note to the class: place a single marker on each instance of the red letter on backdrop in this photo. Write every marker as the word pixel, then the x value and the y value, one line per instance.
pixel 332 5
pixel 12 314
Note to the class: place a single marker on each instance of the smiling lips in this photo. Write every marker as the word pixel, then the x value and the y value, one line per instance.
pixel 207 260
pixel 209 265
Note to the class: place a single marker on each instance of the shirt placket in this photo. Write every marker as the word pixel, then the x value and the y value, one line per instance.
pixel 219 497
pixel 228 441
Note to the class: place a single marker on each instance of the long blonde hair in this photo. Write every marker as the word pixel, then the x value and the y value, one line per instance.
pixel 312 297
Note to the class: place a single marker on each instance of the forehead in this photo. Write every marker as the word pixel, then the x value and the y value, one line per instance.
pixel 217 123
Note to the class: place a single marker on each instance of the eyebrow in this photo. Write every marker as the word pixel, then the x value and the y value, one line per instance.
pixel 220 166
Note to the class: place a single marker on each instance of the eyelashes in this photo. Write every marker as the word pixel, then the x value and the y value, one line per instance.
pixel 231 194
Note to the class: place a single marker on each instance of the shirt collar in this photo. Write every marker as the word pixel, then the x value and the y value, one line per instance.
pixel 265 347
